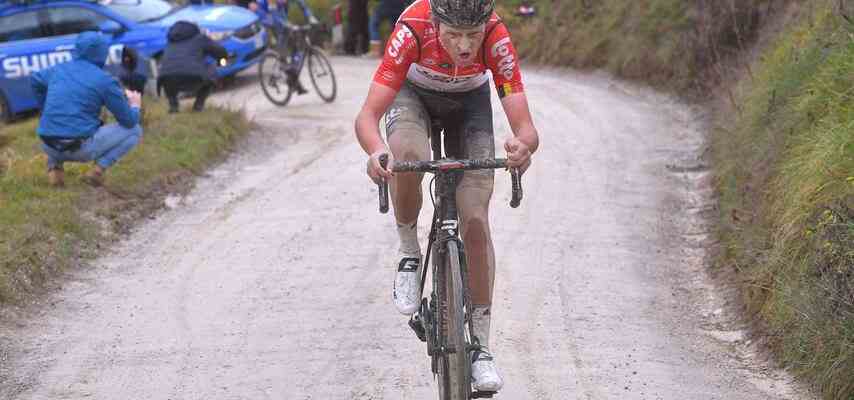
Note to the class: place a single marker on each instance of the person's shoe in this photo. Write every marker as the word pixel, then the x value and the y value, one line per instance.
pixel 407 283
pixel 297 85
pixel 95 177
pixel 301 90
pixel 484 374
pixel 56 177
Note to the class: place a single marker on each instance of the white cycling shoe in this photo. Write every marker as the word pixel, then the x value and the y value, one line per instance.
pixel 407 283
pixel 484 373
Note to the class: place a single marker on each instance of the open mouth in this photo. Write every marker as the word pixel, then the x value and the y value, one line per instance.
pixel 465 56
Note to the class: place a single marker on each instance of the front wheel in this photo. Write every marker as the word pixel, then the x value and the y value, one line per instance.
pixel 455 365
pixel 274 79
pixel 322 75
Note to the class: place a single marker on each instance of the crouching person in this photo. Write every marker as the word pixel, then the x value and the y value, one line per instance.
pixel 71 96
pixel 183 67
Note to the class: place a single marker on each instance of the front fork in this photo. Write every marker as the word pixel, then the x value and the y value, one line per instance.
pixel 445 228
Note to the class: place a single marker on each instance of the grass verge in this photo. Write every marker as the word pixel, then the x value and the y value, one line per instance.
pixel 44 230
pixel 784 155
pixel 786 183
pixel 667 43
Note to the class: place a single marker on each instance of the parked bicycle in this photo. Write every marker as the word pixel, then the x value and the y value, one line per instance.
pixel 292 57
pixel 444 318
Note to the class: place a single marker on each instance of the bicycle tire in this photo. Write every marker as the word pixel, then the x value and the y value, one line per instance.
pixel 276 89
pixel 455 368
pixel 319 68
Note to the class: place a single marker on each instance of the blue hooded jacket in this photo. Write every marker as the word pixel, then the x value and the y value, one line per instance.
pixel 71 94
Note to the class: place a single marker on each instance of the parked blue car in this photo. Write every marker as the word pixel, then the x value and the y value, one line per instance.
pixel 37 34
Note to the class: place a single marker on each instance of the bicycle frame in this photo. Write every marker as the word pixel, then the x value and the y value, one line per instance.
pixel 444 241
pixel 298 43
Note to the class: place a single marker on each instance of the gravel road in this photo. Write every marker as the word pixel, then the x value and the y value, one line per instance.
pixel 272 279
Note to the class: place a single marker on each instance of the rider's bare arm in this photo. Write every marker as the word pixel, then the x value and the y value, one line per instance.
pixel 525 140
pixel 379 99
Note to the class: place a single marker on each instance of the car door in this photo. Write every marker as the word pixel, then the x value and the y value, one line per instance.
pixel 25 47
pixel 68 21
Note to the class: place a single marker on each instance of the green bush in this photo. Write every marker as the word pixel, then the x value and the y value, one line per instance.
pixel 786 178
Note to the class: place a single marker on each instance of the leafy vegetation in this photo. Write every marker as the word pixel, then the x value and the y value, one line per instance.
pixel 786 178
pixel 784 152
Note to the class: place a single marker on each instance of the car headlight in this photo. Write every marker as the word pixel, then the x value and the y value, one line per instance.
pixel 219 35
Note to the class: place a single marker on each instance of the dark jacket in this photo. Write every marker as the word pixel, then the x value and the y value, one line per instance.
pixel 72 94
pixel 186 51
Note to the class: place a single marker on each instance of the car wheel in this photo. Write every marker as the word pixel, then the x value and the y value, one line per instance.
pixel 5 114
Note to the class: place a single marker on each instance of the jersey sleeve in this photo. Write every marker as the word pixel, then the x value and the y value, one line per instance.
pixel 401 51
pixel 502 60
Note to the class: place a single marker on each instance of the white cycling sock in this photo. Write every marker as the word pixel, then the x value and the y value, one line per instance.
pixel 480 320
pixel 408 234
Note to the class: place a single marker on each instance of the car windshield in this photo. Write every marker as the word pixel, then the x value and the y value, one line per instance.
pixel 141 10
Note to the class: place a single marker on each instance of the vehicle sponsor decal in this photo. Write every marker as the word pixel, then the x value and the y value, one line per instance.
pixel 507 63
pixel 21 66
pixel 18 67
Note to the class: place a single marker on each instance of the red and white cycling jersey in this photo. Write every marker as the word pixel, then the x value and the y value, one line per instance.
pixel 414 53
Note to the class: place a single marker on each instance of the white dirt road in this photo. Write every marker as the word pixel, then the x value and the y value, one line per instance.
pixel 272 279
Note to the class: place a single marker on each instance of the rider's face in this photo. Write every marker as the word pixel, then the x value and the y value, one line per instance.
pixel 461 43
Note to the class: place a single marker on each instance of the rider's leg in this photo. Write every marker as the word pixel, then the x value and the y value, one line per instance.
pixel 473 195
pixel 407 132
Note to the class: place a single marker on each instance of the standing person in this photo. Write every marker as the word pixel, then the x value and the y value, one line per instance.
pixel 386 10
pixel 184 68
pixel 436 69
pixel 71 96
pixel 358 34
pixel 277 21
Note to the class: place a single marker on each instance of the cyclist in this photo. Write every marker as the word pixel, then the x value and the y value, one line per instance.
pixel 277 21
pixel 434 67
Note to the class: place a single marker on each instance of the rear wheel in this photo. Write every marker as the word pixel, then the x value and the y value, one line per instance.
pixel 455 363
pixel 322 75
pixel 274 80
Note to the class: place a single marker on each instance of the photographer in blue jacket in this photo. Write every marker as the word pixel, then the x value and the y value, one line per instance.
pixel 71 96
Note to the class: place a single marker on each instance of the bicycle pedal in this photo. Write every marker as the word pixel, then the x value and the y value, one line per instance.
pixel 418 328
pixel 482 395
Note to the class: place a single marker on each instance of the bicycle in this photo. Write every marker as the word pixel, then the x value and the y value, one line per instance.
pixel 444 318
pixel 275 65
